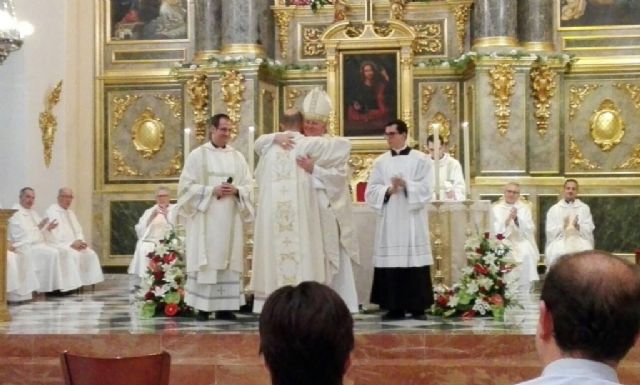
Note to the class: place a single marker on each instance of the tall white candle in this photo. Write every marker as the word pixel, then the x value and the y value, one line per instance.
pixel 251 139
pixel 467 158
pixel 187 137
pixel 436 159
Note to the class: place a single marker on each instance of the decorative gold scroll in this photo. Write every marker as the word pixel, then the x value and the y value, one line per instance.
pixel 633 91
pixel 606 125
pixel 427 94
pixel 311 43
pixel 633 162
pixel 361 166
pixel 577 97
pixel 147 134
pixel 450 93
pixel 198 91
pixel 233 94
pixel 502 83
pixel 396 9
pixel 577 159
pixel 340 10
pixel 175 165
pixel 461 14
pixel 543 87
pixel 445 126
pixel 49 123
pixel 120 106
pixel 429 38
pixel 174 103
pixel 120 166
pixel 283 19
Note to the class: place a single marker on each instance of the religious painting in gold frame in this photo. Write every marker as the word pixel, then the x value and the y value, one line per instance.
pixel 369 97
pixel 598 14
pixel 145 21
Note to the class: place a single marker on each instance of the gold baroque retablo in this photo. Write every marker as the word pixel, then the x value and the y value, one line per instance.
pixel 48 122
pixel 606 126
pixel 502 83
pixel 147 134
pixel 233 94
pixel 543 87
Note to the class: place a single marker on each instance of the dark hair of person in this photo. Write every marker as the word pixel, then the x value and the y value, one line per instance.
pixel 594 301
pixel 571 180
pixel 24 190
pixel 431 139
pixel 215 119
pixel 292 120
pixel 400 125
pixel 306 335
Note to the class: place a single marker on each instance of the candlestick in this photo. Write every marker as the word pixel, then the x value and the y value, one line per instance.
pixel 467 158
pixel 251 140
pixel 436 159
pixel 187 136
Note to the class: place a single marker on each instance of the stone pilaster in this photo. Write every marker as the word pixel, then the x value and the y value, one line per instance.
pixel 208 27
pixel 240 27
pixel 495 25
pixel 535 25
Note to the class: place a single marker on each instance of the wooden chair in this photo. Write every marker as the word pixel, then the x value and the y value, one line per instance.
pixel 152 369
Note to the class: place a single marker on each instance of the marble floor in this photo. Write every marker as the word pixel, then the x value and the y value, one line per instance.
pixel 110 308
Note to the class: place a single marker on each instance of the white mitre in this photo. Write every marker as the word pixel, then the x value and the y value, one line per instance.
pixel 317 105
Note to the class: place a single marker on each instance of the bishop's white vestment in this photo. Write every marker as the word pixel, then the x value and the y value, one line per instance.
pixel 562 236
pixel 68 231
pixel 451 179
pixel 21 277
pixel 56 269
pixel 214 227
pixel 150 231
pixel 520 237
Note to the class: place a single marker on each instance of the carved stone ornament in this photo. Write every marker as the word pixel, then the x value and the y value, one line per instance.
pixel 283 19
pixel 120 166
pixel 502 83
pixel 461 13
pixel 311 44
pixel 361 166
pixel 198 91
pixel 633 91
pixel 147 134
pixel 427 95
pixel 340 10
pixel 633 163
pixel 120 106
pixel 48 122
pixel 577 159
pixel 445 126
pixel 233 94
pixel 543 87
pixel 577 95
pixel 429 38
pixel 174 103
pixel 396 9
pixel 175 165
pixel 606 125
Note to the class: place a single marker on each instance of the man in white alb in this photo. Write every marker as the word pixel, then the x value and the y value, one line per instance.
pixel 21 276
pixel 569 225
pixel 68 236
pixel 151 228
pixel 56 269
pixel 512 218
pixel 452 186
pixel 214 198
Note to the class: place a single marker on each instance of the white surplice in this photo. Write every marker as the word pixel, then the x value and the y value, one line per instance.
pixel 402 230
pixel 521 238
pixel 303 227
pixel 149 232
pixel 451 179
pixel 56 269
pixel 562 236
pixel 214 227
pixel 21 278
pixel 68 231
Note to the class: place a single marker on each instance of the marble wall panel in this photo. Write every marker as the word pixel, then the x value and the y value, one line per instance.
pixel 124 215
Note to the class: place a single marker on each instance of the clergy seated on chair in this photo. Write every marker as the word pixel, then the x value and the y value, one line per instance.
pixel 68 236
pixel 55 268
pixel 512 218
pixel 21 277
pixel 569 225
pixel 151 228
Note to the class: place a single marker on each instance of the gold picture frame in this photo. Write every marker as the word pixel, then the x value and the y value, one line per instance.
pixel 165 21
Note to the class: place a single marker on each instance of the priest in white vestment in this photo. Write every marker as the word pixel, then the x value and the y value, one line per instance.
pixel 452 186
pixel 68 235
pixel 153 226
pixel 512 218
pixel 214 198
pixel 398 190
pixel 569 225
pixel 21 277
pixel 55 268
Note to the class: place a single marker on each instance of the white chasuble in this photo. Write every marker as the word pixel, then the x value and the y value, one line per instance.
pixel 562 236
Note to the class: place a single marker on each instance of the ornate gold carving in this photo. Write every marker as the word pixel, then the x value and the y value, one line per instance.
pixel 577 97
pixel 282 19
pixel 311 44
pixel 354 30
pixel 429 38
pixel 396 10
pixel 361 165
pixel 577 159
pixel 382 30
pixel 502 84
pixel 634 92
pixel 450 93
pixel 175 165
pixel 633 162
pixel 427 95
pixel 147 134
pixel 293 93
pixel 49 123
pixel 606 125
pixel 121 167
pixel 339 10
pixel 444 130
pixel 173 102
pixel 120 106
pixel 543 87
pixel 198 91
pixel 233 94
pixel 461 13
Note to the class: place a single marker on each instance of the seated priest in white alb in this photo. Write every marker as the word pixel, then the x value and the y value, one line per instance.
pixel 151 228
pixel 21 276
pixel 569 225
pixel 55 268
pixel 452 186
pixel 68 236
pixel 512 218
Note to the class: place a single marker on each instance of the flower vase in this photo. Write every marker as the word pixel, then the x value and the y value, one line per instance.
pixel 498 313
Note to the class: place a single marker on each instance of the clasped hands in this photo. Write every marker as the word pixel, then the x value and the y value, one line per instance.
pixel 50 225
pixel 569 223
pixel 397 184
pixel 79 244
pixel 224 189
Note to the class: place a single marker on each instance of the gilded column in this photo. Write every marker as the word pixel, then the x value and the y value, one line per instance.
pixel 5 316
pixel 240 27
pixel 208 14
pixel 535 25
pixel 494 25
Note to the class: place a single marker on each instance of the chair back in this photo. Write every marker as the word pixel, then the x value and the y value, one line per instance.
pixel 152 369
